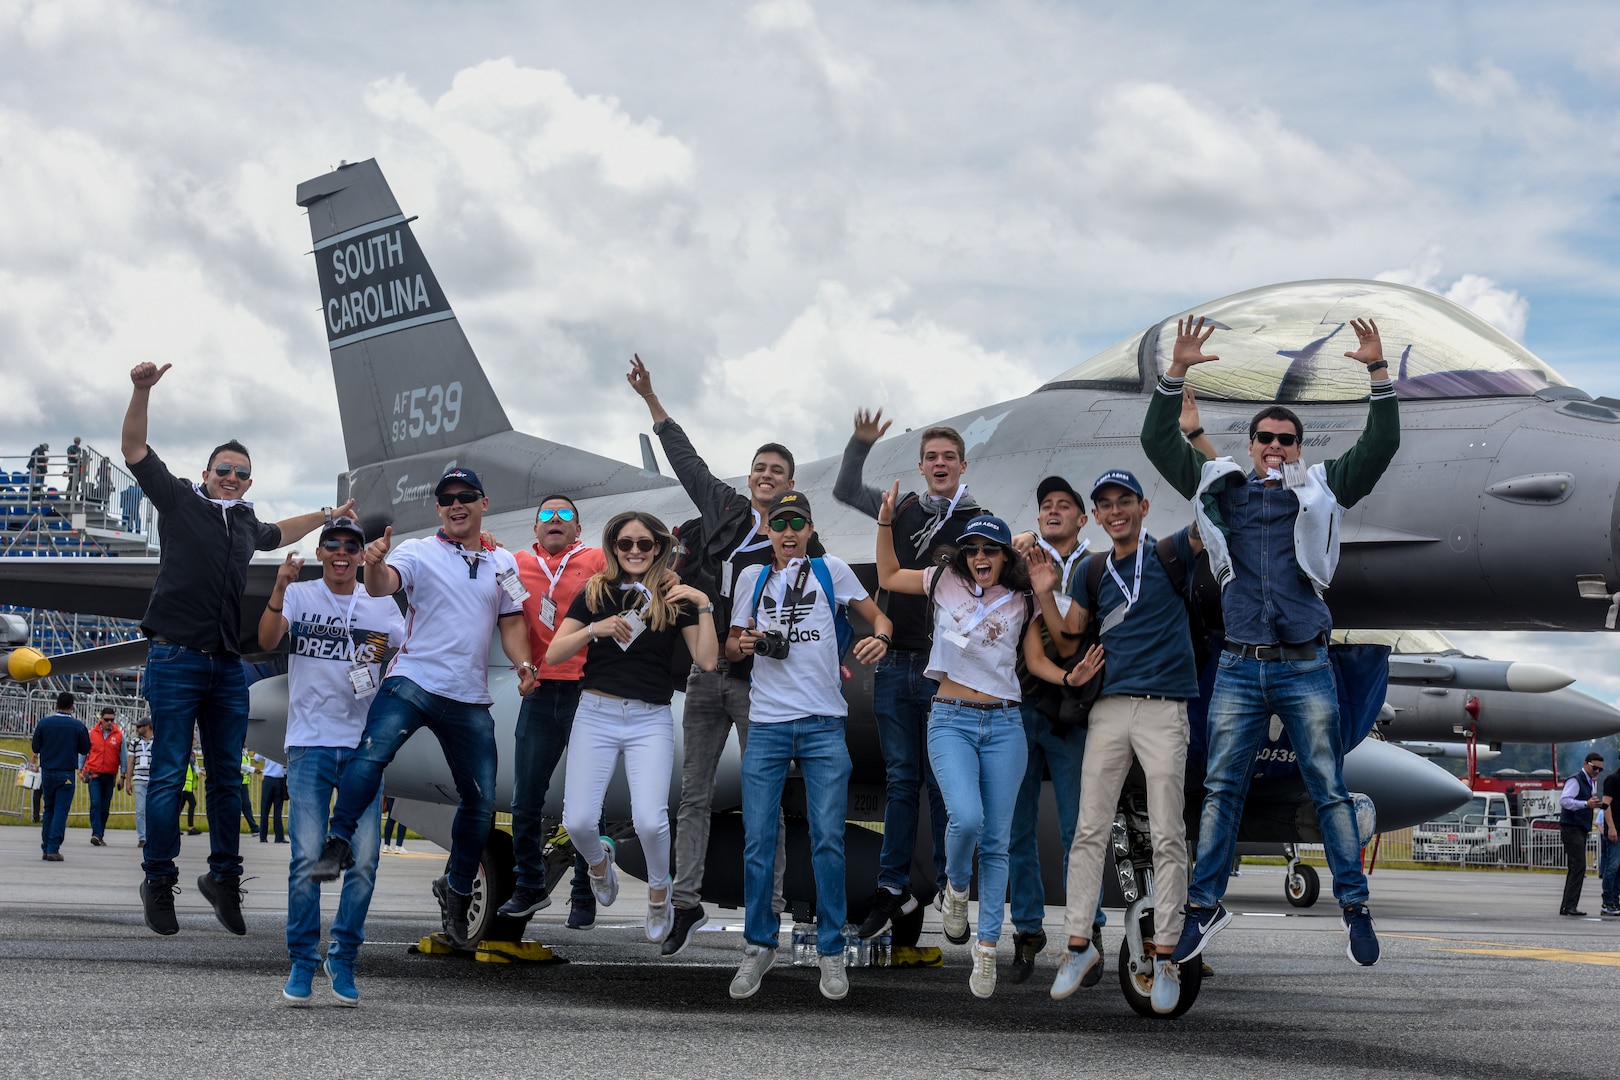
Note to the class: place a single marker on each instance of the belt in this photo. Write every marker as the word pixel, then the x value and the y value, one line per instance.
pixel 985 705
pixel 1146 697
pixel 1304 650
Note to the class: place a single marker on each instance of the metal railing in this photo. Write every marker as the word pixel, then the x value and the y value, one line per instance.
pixel 57 497
pixel 1470 842
pixel 17 802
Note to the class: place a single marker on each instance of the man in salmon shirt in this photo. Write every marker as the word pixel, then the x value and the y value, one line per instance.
pixel 553 572
pixel 103 771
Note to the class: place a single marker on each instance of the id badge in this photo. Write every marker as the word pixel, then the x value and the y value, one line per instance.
pixel 548 613
pixel 1114 618
pixel 361 679
pixel 725 579
pixel 1294 474
pixel 959 640
pixel 513 585
pixel 637 626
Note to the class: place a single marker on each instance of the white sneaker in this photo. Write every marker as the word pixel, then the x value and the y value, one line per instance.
pixel 399 848
pixel 660 917
pixel 983 980
pixel 834 980
pixel 1166 986
pixel 606 887
pixel 388 849
pixel 954 908
pixel 757 960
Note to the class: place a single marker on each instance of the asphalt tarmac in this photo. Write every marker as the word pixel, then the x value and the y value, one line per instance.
pixel 1479 977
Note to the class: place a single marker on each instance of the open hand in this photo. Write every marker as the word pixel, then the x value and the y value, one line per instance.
pixel 1088 666
pixel 1189 411
pixel 870 426
pixel 1043 575
pixel 1191 334
pixel 886 511
pixel 1370 349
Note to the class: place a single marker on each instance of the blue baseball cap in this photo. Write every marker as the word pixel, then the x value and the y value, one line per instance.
pixel 466 476
pixel 989 527
pixel 1118 478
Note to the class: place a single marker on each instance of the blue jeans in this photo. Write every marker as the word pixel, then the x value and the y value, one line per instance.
pixel 312 777
pixel 100 786
pixel 544 721
pixel 1063 755
pixel 1248 693
pixel 140 809
pixel 466 733
pixel 817 744
pixel 901 697
pixel 205 692
pixel 1609 867
pixel 979 756
pixel 56 789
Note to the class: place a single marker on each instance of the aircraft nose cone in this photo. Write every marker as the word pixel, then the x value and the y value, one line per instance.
pixel 1530 678
pixel 1406 789
pixel 1580 717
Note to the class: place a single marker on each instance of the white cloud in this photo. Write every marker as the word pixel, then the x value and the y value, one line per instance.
pixel 1535 115
pixel 854 94
pixel 1501 307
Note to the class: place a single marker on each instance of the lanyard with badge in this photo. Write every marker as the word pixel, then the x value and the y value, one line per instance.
pixel 360 675
pixel 1065 570
pixel 548 606
pixel 633 616
pixel 1117 616
pixel 507 579
pixel 752 542
pixel 959 636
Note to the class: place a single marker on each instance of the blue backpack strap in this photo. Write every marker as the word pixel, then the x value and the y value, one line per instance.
pixel 846 632
pixel 759 588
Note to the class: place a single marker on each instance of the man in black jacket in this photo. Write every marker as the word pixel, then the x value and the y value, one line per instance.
pixel 924 527
pixel 194 679
pixel 735 537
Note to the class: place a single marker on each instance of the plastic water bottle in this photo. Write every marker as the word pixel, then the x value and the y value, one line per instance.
pixel 804 944
pixel 852 946
pixel 882 947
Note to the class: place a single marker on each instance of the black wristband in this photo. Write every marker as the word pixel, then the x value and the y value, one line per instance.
pixel 274 609
pixel 1193 434
pixel 1377 365
pixel 885 638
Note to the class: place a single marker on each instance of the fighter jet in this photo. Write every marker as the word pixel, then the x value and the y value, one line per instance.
pixel 1498 512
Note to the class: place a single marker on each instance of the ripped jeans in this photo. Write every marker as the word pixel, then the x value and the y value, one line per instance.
pixel 465 732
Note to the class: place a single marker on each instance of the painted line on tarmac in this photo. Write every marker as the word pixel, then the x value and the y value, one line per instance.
pixel 1520 952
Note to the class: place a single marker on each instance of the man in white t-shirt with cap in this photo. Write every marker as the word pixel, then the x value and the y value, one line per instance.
pixel 459 592
pixel 333 627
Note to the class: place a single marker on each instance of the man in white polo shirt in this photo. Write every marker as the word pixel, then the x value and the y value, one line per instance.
pixel 333 627
pixel 459 592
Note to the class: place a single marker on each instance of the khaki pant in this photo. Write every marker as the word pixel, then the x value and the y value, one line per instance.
pixel 1154 731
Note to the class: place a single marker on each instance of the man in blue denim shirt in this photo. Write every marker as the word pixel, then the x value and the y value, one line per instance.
pixel 1273 542
pixel 194 678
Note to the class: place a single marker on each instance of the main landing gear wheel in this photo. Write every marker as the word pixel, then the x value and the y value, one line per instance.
pixel 1136 983
pixel 492 886
pixel 1302 885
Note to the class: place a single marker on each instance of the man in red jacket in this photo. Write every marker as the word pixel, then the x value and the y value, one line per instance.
pixel 103 767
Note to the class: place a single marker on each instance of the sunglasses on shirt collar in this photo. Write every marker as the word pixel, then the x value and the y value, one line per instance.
pixel 559 515
pixel 782 524
pixel 242 471
pixel 1265 438
pixel 466 498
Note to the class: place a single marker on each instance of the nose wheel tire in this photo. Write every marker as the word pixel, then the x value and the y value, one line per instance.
pixel 1136 983
pixel 1302 886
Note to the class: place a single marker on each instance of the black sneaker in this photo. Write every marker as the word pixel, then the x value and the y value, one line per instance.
pixel 1026 947
pixel 524 902
pixel 454 907
pixel 157 900
pixel 1094 974
pixel 582 913
pixel 885 907
pixel 687 919
pixel 335 858
pixel 226 896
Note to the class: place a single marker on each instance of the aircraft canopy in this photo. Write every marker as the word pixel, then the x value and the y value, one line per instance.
pixel 1286 343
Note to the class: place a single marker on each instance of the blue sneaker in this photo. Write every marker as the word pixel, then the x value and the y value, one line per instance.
pixel 299 985
pixel 1358 924
pixel 341 973
pixel 1076 966
pixel 1201 925
pixel 582 914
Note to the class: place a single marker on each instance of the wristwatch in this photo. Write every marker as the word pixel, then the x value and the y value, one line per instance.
pixel 706 609
pixel 886 639
pixel 529 665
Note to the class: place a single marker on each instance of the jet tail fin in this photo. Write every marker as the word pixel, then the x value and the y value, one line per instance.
pixel 407 379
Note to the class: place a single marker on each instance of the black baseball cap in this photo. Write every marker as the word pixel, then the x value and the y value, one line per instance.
pixel 344 525
pixel 789 502
pixel 1055 484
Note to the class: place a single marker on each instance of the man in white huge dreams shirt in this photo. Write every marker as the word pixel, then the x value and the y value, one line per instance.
pixel 458 593
pixel 333 627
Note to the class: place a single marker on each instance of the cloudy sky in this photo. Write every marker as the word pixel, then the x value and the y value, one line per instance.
pixel 932 204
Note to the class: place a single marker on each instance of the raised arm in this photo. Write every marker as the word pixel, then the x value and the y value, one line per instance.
pixel 848 488
pixel 1044 579
pixel 708 493
pixel 1192 429
pixel 381 579
pixel 294 529
pixel 1353 474
pixel 1042 668
pixel 273 624
pixel 133 440
pixel 890 576
pixel 1179 463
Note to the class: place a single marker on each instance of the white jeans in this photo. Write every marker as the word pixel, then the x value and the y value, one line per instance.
pixel 644 733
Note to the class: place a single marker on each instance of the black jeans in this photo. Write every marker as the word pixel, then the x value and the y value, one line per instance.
pixel 1575 858
pixel 272 797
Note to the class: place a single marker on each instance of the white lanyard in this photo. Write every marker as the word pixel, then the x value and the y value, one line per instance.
pixel 639 587
pixel 748 544
pixel 1136 590
pixel 980 614
pixel 554 578
pixel 1065 566
pixel 348 619
pixel 931 530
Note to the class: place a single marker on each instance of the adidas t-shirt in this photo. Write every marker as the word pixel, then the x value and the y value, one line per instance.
pixel 807 682
pixel 326 641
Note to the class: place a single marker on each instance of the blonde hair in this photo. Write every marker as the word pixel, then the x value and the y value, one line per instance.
pixel 661 613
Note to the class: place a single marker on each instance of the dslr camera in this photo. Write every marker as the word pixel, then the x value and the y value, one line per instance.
pixel 772 643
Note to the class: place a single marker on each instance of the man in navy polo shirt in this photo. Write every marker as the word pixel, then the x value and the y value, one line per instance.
pixel 459 592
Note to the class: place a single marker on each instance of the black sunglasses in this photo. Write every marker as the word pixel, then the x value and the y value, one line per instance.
pixel 242 471
pixel 466 498
pixel 1264 438
pixel 783 523
pixel 640 543
pixel 561 515
pixel 350 546
pixel 975 550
